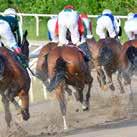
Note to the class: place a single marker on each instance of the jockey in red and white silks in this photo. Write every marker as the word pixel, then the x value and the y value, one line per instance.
pixel 107 22
pixel 9 30
pixel 52 29
pixel 86 34
pixel 131 26
pixel 68 19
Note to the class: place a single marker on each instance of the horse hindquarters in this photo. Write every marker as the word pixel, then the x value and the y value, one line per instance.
pixel 58 83
pixel 59 74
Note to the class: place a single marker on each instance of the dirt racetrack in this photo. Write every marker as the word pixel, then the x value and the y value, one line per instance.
pixel 106 109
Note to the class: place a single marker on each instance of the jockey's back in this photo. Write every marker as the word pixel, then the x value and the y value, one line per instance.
pixel 108 22
pixel 68 19
pixel 130 26
pixel 13 22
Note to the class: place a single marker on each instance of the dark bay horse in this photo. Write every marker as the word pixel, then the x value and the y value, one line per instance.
pixel 66 66
pixel 105 57
pixel 14 82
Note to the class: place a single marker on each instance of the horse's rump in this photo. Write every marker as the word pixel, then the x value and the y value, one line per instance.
pixel 66 63
pixel 109 51
pixel 132 55
pixel 128 52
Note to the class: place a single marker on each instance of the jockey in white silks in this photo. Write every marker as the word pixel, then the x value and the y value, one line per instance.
pixel 52 29
pixel 87 28
pixel 107 22
pixel 9 30
pixel 68 19
pixel 131 26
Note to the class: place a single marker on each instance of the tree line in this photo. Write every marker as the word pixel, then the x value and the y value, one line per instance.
pixel 118 7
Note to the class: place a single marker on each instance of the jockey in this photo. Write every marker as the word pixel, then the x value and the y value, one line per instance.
pixel 107 22
pixel 9 30
pixel 86 33
pixel 68 19
pixel 130 26
pixel 52 29
pixel 10 34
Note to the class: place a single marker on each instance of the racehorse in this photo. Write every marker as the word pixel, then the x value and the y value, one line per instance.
pixel 128 60
pixel 66 66
pixel 14 82
pixel 105 57
pixel 41 67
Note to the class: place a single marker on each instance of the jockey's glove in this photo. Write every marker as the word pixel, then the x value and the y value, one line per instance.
pixel 17 50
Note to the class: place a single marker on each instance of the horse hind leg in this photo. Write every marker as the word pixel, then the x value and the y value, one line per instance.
pixel 101 79
pixel 86 94
pixel 62 102
pixel 109 76
pixel 8 116
pixel 119 79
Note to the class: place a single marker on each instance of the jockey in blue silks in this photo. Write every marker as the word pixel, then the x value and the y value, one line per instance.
pixel 52 27
pixel 107 22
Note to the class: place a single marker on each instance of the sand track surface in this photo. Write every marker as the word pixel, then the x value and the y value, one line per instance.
pixel 108 110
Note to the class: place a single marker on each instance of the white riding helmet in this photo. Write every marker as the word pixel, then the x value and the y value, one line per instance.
pixel 106 11
pixel 130 15
pixel 10 12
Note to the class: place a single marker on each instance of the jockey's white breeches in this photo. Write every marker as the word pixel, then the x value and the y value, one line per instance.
pixel 104 23
pixel 6 35
pixel 51 25
pixel 131 28
pixel 68 20
pixel 86 22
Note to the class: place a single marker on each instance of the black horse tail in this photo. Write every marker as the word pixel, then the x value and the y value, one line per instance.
pixel 106 55
pixel 59 74
pixel 132 55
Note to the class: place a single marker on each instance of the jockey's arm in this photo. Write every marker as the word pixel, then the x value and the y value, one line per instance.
pixel 18 37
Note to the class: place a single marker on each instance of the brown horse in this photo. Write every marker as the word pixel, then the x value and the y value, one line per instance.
pixel 66 66
pixel 128 60
pixel 105 57
pixel 14 81
pixel 41 67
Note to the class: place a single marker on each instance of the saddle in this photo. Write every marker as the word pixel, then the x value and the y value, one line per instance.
pixel 83 49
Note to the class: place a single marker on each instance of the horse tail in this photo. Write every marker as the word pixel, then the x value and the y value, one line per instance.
pixel 106 55
pixel 132 55
pixel 59 74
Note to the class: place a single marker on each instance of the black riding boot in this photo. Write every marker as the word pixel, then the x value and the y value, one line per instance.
pixel 22 60
pixel 85 49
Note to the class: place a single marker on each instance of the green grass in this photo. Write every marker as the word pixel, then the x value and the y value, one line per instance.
pixel 30 25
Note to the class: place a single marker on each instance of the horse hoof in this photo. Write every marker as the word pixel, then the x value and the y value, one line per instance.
pixel 85 108
pixel 112 87
pixel 65 128
pixel 77 110
pixel 104 87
